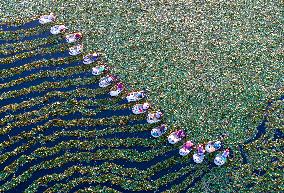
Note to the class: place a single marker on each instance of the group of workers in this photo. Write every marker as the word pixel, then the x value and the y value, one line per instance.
pixel 152 117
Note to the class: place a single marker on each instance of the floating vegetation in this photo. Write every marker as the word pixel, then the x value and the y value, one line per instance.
pixel 141 96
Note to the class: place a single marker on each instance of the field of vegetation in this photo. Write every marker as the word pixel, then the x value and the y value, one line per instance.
pixel 214 68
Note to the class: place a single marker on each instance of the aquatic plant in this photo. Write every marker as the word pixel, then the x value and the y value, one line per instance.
pixel 210 83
